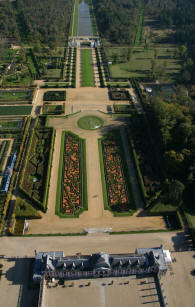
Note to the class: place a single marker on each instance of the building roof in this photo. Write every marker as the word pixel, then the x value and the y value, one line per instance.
pixel 57 262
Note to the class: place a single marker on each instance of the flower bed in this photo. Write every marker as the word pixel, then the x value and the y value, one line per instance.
pixel 116 184
pixel 71 196
pixel 72 192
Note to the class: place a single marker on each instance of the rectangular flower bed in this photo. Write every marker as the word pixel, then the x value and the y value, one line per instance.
pixel 72 193
pixel 115 179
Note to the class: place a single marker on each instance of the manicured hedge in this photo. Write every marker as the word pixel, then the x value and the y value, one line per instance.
pixel 54 96
pixel 136 164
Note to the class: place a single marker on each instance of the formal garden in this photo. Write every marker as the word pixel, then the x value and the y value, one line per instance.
pixel 54 96
pixel 117 192
pixel 17 131
pixel 14 68
pixel 119 95
pixel 71 197
pixel 48 62
pixel 16 96
pixel 35 177
pixel 53 109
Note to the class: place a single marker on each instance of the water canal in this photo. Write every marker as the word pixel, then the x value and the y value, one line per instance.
pixel 84 22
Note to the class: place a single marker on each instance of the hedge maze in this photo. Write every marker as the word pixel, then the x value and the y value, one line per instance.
pixel 36 172
pixel 72 194
pixel 118 196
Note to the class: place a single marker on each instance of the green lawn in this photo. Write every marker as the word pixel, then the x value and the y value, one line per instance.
pixel 76 18
pixel 15 95
pixel 56 84
pixel 53 73
pixel 87 70
pixel 15 110
pixel 25 210
pixel 140 63
pixel 10 124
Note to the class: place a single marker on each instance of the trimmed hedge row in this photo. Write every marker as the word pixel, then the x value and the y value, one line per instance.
pixel 99 68
pixel 136 164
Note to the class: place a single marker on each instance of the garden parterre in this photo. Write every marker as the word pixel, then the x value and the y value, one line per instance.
pixel 117 190
pixel 72 175
pixel 36 172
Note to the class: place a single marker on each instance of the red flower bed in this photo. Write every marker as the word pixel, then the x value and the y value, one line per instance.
pixel 71 199
pixel 115 179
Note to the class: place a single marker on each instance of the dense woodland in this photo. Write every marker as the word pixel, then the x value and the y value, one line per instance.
pixel 8 24
pixel 45 20
pixel 117 19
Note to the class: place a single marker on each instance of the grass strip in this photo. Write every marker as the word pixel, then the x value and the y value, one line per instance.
pixel 76 18
pixel 15 110
pixel 87 70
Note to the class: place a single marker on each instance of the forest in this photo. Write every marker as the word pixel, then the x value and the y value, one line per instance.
pixel 117 19
pixel 46 21
pixel 8 24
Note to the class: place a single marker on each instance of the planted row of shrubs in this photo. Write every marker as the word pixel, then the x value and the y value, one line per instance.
pixel 105 64
pixel 73 84
pixel 99 69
